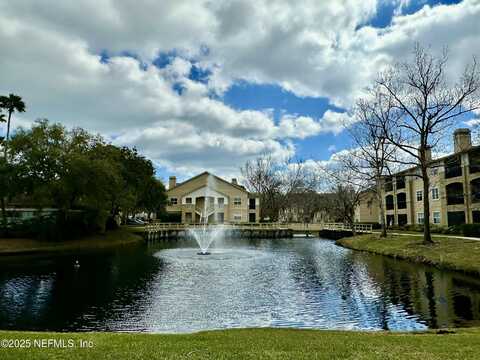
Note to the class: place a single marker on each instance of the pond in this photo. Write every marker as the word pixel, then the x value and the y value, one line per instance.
pixel 167 287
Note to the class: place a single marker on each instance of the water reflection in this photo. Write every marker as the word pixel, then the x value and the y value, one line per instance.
pixel 255 283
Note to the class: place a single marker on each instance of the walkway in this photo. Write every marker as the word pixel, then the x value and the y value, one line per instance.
pixel 433 235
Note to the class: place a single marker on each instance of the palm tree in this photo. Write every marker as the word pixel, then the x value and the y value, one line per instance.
pixel 11 103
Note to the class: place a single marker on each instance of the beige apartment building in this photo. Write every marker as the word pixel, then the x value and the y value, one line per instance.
pixel 454 188
pixel 209 197
pixel 367 210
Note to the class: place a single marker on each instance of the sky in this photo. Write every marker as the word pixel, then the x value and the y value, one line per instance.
pixel 208 85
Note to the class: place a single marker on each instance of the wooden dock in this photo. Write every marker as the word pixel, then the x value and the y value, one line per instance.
pixel 252 230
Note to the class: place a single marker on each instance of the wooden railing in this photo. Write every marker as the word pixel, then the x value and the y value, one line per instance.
pixel 305 227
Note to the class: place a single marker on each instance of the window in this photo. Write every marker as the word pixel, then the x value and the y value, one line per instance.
pixel 419 195
pixel 237 217
pixel 237 201
pixel 188 200
pixel 434 171
pixel 221 202
pixel 436 217
pixel 420 218
pixel 435 194
pixel 173 201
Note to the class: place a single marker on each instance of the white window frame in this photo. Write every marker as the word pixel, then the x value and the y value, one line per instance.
pixel 437 193
pixel 434 171
pixel 439 218
pixel 188 202
pixel 237 217
pixel 420 192
pixel 173 201
pixel 237 201
pixel 420 219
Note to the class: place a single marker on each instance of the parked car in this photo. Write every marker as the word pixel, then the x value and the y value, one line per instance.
pixel 135 221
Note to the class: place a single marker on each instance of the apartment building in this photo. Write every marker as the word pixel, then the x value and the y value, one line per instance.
pixel 454 191
pixel 367 211
pixel 207 197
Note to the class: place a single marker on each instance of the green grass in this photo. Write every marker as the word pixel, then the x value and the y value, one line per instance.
pixel 255 344
pixel 448 253
pixel 118 237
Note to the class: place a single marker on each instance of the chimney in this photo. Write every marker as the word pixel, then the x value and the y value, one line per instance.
pixel 234 181
pixel 428 153
pixel 172 182
pixel 462 140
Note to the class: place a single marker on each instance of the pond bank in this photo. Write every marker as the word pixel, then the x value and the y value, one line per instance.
pixel 113 238
pixel 253 344
pixel 459 254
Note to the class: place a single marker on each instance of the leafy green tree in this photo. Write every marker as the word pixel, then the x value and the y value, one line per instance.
pixel 77 172
pixel 11 103
pixel 153 197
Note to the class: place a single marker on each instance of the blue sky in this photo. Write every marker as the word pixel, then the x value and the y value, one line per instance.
pixel 244 96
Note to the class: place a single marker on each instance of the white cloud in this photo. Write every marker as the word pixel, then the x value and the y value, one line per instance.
pixel 185 133
pixel 50 55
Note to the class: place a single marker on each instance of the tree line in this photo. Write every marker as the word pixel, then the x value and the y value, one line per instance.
pixel 87 180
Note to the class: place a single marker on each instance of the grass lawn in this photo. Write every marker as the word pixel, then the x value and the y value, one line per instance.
pixel 255 344
pixel 448 253
pixel 27 246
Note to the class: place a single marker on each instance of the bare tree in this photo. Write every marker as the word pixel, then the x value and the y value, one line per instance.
pixel 372 153
pixel 299 189
pixel 347 186
pixel 426 104
pixel 261 177
pixel 282 186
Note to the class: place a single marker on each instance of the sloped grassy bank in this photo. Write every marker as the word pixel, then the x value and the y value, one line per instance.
pixel 114 238
pixel 252 344
pixel 447 253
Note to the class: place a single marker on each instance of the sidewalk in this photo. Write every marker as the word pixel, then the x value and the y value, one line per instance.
pixel 433 235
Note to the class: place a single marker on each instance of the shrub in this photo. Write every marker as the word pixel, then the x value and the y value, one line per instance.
pixel 470 229
pixel 170 217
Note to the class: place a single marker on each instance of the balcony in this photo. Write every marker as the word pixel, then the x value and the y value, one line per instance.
pixel 474 161
pixel 400 180
pixel 389 202
pixel 453 167
pixel 402 201
pixel 388 185
pixel 455 193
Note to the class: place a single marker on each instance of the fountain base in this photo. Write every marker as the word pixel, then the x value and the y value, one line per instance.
pixel 203 253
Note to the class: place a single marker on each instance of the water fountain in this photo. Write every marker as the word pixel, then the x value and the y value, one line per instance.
pixel 206 235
